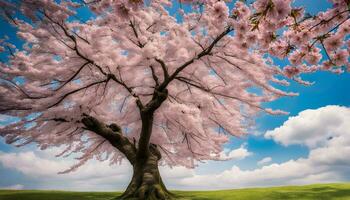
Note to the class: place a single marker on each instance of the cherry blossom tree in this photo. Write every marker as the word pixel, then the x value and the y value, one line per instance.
pixel 140 82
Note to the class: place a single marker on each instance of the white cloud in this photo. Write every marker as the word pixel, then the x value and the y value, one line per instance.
pixel 175 172
pixel 13 187
pixel 235 154
pixel 301 171
pixel 264 161
pixel 332 166
pixel 92 176
pixel 314 128
pixel 31 164
pixel 325 131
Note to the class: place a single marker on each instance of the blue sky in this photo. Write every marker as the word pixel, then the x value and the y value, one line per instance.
pixel 328 89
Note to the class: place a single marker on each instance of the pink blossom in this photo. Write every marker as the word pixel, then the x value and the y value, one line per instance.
pixel 241 10
pixel 251 38
pixel 333 42
pixel 344 29
pixel 305 36
pixel 122 10
pixel 220 10
pixel 296 57
pixel 260 5
pixel 279 48
pixel 313 56
pixel 281 9
pixel 341 57
pixel 296 39
pixel 241 27
pixel 327 65
pixel 291 71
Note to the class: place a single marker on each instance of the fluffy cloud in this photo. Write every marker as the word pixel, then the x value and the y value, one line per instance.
pixel 325 131
pixel 42 168
pixel 264 161
pixel 235 154
pixel 314 128
pixel 301 171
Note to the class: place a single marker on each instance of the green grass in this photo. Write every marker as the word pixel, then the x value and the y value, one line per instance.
pixel 314 192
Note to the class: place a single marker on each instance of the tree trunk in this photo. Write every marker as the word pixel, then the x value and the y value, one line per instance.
pixel 146 183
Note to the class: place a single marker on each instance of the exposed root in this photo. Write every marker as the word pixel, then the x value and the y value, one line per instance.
pixel 147 192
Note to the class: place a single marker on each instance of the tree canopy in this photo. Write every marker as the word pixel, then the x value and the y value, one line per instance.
pixel 204 69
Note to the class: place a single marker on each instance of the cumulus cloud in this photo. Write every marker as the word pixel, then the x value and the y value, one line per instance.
pixel 314 128
pixel 264 161
pixel 325 131
pixel 301 171
pixel 235 154
pixel 41 167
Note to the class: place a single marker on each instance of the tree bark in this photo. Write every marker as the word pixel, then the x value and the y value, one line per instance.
pixel 146 182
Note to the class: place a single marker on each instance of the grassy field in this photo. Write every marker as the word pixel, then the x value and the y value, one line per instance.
pixel 315 192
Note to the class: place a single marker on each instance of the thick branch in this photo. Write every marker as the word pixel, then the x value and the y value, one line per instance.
pixel 112 133
pixel 147 121
pixel 155 78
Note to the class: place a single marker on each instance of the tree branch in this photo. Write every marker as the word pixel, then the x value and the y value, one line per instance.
pixel 155 78
pixel 89 61
pixel 165 70
pixel 113 134
pixel 72 77
pixel 205 52
pixel 77 90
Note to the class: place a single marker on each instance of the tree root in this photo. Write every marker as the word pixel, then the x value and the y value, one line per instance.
pixel 147 192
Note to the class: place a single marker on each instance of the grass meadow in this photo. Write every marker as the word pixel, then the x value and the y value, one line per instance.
pixel 308 192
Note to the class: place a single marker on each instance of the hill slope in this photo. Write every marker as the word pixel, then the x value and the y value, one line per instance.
pixel 309 192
